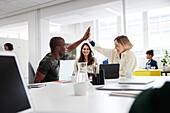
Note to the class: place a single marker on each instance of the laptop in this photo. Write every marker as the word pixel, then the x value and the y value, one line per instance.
pixel 14 96
pixel 111 70
pixel 124 87
pixel 137 81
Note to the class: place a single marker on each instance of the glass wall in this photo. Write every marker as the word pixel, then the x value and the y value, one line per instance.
pixel 159 29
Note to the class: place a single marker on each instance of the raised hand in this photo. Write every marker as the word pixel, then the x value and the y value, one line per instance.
pixel 75 44
pixel 87 34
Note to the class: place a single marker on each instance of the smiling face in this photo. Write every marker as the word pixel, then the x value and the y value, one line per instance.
pixel 63 48
pixel 85 50
pixel 86 54
pixel 119 47
pixel 148 56
pixel 122 43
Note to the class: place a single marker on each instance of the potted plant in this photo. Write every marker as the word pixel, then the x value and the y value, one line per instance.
pixel 166 60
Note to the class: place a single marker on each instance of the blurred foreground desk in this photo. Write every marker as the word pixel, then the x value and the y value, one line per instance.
pixel 59 98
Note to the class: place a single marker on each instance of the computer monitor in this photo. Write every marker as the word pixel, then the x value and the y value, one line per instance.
pixel 13 95
pixel 111 70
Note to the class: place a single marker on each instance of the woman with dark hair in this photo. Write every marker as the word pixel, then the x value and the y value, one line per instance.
pixel 151 62
pixel 86 55
pixel 8 47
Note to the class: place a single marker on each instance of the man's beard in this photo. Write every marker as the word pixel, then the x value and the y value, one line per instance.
pixel 61 54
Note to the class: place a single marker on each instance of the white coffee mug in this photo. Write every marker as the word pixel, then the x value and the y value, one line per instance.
pixel 80 89
pixel 129 74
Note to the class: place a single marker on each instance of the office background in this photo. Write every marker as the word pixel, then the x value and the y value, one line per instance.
pixel 30 24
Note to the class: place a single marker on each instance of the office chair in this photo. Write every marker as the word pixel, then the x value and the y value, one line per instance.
pixel 31 73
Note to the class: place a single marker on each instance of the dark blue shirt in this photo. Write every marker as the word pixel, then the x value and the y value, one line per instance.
pixel 152 63
pixel 92 43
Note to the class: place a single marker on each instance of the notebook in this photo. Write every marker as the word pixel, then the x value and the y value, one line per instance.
pixel 137 81
pixel 124 94
pixel 14 96
pixel 120 87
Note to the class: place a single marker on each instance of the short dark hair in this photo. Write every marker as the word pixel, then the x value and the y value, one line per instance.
pixel 10 46
pixel 55 41
pixel 150 52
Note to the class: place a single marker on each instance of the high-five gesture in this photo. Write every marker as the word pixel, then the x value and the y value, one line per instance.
pixel 87 34
pixel 58 49
pixel 75 44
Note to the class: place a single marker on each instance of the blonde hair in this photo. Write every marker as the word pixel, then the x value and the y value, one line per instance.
pixel 122 39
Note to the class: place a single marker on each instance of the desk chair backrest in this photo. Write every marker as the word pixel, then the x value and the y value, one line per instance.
pixel 31 73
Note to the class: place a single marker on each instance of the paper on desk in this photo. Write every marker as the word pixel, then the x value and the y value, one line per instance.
pixel 124 94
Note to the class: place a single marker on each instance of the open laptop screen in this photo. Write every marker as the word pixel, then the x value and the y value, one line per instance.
pixel 13 97
pixel 111 70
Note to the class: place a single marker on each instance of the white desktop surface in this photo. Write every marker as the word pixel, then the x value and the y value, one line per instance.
pixel 59 97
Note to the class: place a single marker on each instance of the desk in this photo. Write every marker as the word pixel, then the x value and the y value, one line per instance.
pixel 59 97
pixel 165 72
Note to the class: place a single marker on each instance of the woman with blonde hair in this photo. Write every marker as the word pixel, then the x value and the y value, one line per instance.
pixel 120 54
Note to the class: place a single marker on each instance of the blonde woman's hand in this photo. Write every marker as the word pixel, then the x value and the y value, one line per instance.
pixel 89 39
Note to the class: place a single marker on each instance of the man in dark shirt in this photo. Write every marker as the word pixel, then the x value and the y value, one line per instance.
pixel 48 69
pixel 151 62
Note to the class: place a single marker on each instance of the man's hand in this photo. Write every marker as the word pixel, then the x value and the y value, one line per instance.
pixel 75 44
pixel 87 34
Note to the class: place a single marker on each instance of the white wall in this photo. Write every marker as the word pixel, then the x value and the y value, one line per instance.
pixel 21 50
pixel 44 37
pixel 33 34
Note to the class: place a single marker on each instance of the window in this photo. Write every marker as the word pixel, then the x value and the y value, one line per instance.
pixel 19 31
pixel 54 28
pixel 159 29
pixel 107 31
pixel 107 34
pixel 134 31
